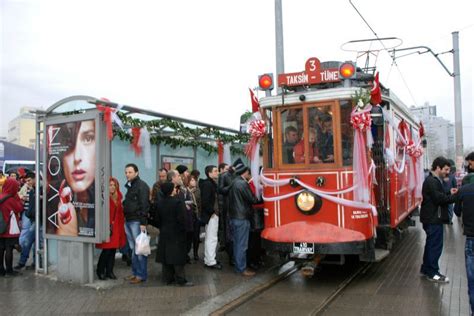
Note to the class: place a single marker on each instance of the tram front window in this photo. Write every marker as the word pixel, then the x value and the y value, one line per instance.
pixel 292 131
pixel 321 121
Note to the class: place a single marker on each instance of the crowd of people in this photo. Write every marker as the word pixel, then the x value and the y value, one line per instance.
pixel 181 205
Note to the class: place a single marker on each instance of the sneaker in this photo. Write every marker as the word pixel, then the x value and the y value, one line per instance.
pixel 438 278
pixel 216 266
pixel 187 283
pixel 248 273
pixel 19 266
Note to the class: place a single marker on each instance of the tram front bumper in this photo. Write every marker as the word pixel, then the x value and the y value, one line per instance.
pixel 327 238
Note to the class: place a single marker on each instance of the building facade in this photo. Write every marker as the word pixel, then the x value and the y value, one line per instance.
pixel 21 130
pixel 439 133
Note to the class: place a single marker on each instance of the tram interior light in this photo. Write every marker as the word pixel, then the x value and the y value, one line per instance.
pixel 347 70
pixel 265 82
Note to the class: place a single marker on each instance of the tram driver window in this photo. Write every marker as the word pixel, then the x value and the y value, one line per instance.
pixel 291 133
pixel 323 147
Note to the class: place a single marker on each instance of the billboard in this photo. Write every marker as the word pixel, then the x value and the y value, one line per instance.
pixel 77 168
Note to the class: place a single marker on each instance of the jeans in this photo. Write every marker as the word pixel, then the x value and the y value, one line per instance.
pixel 241 231
pixel 139 263
pixel 27 238
pixel 469 255
pixel 433 249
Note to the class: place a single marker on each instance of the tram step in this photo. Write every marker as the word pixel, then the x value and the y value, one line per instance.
pixel 374 256
pixel 380 254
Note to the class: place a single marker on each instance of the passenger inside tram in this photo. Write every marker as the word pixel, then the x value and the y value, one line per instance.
pixel 292 128
pixel 299 152
pixel 291 139
pixel 325 143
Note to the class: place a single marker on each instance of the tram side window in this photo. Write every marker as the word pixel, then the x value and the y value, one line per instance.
pixel 347 133
pixel 292 131
pixel 321 124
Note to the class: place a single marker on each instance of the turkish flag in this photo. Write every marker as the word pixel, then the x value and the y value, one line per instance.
pixel 375 93
pixel 255 104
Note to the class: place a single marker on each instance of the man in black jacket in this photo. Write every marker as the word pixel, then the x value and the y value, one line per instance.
pixel 465 207
pixel 210 216
pixel 223 187
pixel 135 208
pixel 433 214
pixel 241 200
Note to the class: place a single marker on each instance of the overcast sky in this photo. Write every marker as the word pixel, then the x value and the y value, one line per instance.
pixel 196 59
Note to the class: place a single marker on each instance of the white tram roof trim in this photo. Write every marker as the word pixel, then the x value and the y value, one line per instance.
pixel 331 94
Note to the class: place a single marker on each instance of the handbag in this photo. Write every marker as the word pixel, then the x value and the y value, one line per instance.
pixel 14 229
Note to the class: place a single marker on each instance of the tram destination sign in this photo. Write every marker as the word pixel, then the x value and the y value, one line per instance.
pixel 313 74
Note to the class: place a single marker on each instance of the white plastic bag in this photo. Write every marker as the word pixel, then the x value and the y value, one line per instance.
pixel 14 229
pixel 142 244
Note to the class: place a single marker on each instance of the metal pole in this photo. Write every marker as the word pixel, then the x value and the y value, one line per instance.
pixel 279 49
pixel 457 102
pixel 37 197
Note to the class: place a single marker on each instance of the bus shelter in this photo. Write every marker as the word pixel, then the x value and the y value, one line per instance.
pixel 81 142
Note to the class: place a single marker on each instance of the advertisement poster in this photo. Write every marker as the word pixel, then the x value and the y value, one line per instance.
pixel 70 175
pixel 171 162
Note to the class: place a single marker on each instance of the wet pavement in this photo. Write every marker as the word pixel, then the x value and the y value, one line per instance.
pixel 390 287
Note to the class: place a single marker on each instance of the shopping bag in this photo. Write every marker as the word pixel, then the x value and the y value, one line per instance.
pixel 14 229
pixel 142 244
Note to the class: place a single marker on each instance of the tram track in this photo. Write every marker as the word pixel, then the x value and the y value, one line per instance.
pixel 319 310
pixel 236 306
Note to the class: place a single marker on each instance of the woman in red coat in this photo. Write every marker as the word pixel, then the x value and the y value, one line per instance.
pixel 8 240
pixel 105 266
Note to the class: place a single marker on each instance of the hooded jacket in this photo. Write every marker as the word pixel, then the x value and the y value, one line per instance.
pixel 12 203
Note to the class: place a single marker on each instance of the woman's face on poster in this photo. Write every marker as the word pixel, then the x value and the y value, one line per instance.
pixel 79 164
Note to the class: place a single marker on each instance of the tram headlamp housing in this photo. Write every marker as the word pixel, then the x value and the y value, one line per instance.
pixel 308 203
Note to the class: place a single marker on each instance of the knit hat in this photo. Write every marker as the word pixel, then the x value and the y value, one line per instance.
pixel 181 169
pixel 239 167
pixel 237 162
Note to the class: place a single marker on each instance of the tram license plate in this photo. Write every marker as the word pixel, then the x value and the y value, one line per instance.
pixel 303 247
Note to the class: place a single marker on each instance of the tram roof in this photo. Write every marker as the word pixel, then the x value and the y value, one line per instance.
pixel 331 94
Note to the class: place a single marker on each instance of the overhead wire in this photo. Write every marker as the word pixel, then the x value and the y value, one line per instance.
pixel 386 50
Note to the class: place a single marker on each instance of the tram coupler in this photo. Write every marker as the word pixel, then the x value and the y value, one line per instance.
pixel 310 267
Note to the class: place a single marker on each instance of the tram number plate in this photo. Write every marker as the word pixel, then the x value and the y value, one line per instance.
pixel 303 247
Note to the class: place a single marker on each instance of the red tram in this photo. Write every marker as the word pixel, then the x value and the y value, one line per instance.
pixel 314 179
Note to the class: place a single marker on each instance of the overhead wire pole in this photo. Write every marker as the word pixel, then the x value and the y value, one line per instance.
pixel 279 49
pixel 457 101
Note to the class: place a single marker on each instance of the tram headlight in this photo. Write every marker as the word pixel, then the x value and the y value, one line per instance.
pixel 308 203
